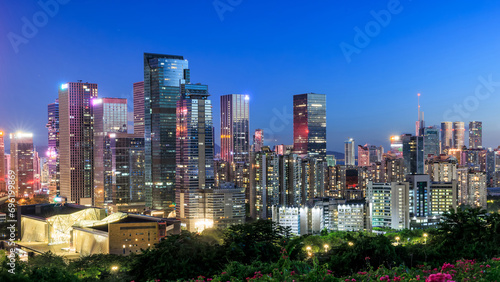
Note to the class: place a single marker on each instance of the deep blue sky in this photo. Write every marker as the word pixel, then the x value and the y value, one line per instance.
pixel 270 50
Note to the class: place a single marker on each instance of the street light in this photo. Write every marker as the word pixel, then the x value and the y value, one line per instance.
pixel 425 238
pixel 114 268
pixel 397 239
pixel 350 244
pixel 308 248
pixel 326 247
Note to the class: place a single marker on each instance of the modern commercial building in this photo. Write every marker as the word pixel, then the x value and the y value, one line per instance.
pixel 458 134
pixel 476 134
pixel 413 153
pixel 195 153
pixel 419 195
pixel 235 136
pixel 397 146
pixel 389 205
pixel 352 216
pixel 309 125
pixel 301 220
pixel 369 154
pixel 76 133
pixel 443 197
pixel 349 153
pixel 224 205
pixel 258 140
pixel 163 75
pixel 446 136
pixel 110 117
pixel 431 141
pixel 53 144
pixel 21 163
pixel 138 90
pixel 3 171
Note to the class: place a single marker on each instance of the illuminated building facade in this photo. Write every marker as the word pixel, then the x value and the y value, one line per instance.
pixel 397 146
pixel 363 156
pixel 258 140
pixel 446 136
pixel 163 75
pixel 3 171
pixel 431 141
pixel 389 205
pixel 419 194
pixel 76 141
pixel 476 134
pixel 235 137
pixel 21 162
pixel 110 117
pixel 309 125
pixel 264 187
pixel 290 184
pixel 53 144
pixel 458 134
pixel 443 196
pixel 349 154
pixel 195 153
pixel 352 217
pixel 413 153
pixel 442 168
pixel 138 90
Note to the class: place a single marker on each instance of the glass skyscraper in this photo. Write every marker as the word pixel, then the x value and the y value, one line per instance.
pixel 458 134
pixel 3 172
pixel 431 141
pixel 309 125
pixel 163 75
pixel 53 142
pixel 349 153
pixel 413 153
pixel 139 108
pixel 22 163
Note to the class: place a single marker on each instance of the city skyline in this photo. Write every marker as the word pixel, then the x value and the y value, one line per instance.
pixel 376 91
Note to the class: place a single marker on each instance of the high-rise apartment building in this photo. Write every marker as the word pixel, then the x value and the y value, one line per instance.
pixel 76 141
pixel 458 134
pixel 21 162
pixel 446 136
pixel 163 75
pixel 349 154
pixel 264 185
pixel 476 134
pixel 110 116
pixel 309 125
pixel 138 90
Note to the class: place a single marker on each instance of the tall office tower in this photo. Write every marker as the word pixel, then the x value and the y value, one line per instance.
pixel 363 155
pixel 413 153
pixel 389 205
pixel 195 153
pixel 431 141
pixel 419 125
pixel 442 168
pixel 476 134
pixel 76 142
pixel 443 197
pixel 53 144
pixel 21 162
pixel 458 134
pixel 446 136
pixel 309 125
pixel 3 171
pixel 264 185
pixel 419 194
pixel 235 137
pixel 397 146
pixel 349 154
pixel 110 116
pixel 138 90
pixel 163 75
pixel 258 140
pixel 123 173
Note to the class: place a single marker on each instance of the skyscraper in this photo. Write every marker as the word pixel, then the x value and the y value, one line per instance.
pixel 110 116
pixel 431 141
pixel 139 108
pixel 195 154
pixel 76 132
pixel 53 143
pixel 476 134
pixel 21 162
pixel 3 172
pixel 235 137
pixel 163 75
pixel 458 134
pixel 309 125
pixel 413 153
pixel 349 156
pixel 446 136
pixel 258 139
pixel 363 155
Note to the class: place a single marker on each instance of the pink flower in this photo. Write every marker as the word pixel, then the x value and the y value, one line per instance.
pixel 367 258
pixel 438 277
pixel 488 266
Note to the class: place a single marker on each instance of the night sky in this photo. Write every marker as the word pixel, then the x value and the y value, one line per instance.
pixel 270 50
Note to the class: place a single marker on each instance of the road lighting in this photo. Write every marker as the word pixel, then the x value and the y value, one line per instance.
pixel 326 247
pixel 308 248
pixel 350 244
pixel 114 268
pixel 425 238
pixel 397 239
